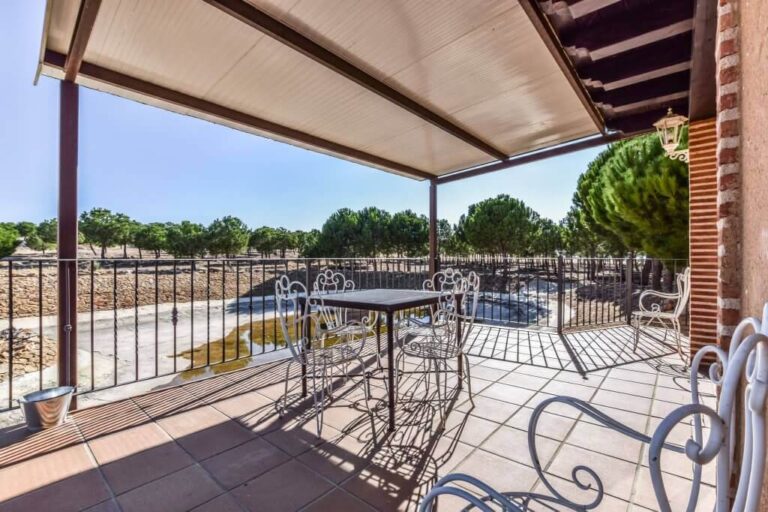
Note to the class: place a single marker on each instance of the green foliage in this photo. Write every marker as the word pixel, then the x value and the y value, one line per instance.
pixel 636 197
pixel 547 238
pixel 450 239
pixel 151 237
pixel 262 240
pixel 49 231
pixel 373 232
pixel 338 236
pixel 228 236
pixel 26 228
pixel 500 225
pixel 409 234
pixel 186 239
pixel 285 240
pixel 102 227
pixel 9 239
pixel 308 243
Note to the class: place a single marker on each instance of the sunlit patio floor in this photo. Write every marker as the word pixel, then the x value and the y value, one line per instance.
pixel 219 444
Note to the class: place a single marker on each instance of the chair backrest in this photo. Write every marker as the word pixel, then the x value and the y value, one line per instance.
pixel 292 314
pixel 742 377
pixel 684 290
pixel 328 281
pixel 459 301
pixel 443 281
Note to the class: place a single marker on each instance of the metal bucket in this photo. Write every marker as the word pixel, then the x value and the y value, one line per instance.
pixel 46 408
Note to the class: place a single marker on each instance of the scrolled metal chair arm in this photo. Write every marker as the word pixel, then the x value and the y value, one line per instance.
pixel 442 488
pixel 577 471
pixel 655 308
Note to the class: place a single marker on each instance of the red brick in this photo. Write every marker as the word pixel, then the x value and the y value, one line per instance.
pixel 729 75
pixel 728 156
pixel 729 316
pixel 729 182
pixel 728 47
pixel 726 21
pixel 728 101
pixel 729 128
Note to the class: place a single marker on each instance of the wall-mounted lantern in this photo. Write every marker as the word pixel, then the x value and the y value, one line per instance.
pixel 670 130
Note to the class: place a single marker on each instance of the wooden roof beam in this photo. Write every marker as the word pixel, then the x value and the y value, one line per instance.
pixel 86 18
pixel 263 22
pixel 702 103
pixel 129 83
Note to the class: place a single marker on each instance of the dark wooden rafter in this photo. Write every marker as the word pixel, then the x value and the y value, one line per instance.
pixel 654 88
pixel 86 18
pixel 644 119
pixel 622 21
pixel 550 38
pixel 637 61
pixel 533 156
pixel 129 83
pixel 702 103
pixel 259 20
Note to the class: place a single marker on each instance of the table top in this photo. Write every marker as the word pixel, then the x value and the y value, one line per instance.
pixel 379 299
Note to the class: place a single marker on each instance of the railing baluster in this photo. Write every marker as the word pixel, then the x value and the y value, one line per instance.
pixel 10 334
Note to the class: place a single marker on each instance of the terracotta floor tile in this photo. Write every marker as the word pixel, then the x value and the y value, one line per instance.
pixel 221 503
pixel 339 500
pixel 180 491
pixel 296 438
pixel 340 458
pixel 105 506
pixel 498 472
pixel 103 420
pixel 47 469
pixel 204 431
pixel 167 402
pixel 76 492
pixel 469 429
pixel 286 488
pixel 244 462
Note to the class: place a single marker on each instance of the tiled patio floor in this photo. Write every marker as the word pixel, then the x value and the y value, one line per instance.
pixel 219 444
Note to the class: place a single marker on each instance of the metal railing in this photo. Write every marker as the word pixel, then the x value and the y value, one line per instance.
pixel 142 319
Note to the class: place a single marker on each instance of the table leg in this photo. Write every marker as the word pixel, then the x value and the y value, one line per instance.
pixel 391 368
pixel 378 340
pixel 306 329
pixel 460 361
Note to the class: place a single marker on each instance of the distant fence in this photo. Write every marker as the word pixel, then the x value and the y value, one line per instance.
pixel 140 319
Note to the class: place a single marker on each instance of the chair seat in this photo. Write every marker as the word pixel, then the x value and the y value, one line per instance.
pixel 427 347
pixel 655 314
pixel 333 355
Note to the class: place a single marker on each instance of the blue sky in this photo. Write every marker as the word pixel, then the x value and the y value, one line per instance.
pixel 158 166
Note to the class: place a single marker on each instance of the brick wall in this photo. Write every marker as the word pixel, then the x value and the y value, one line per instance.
pixel 728 170
pixel 702 144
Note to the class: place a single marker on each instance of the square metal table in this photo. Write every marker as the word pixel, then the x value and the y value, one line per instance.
pixel 389 302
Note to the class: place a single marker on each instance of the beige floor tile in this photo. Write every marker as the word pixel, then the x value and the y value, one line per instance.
pixel 678 490
pixel 604 440
pixel 469 429
pixel 489 409
pixel 500 473
pixel 624 373
pixel 513 444
pixel 569 389
pixel 630 388
pixel 524 381
pixel 506 393
pixel 622 401
pixel 204 431
pixel 550 425
pixel 340 458
pixel 617 475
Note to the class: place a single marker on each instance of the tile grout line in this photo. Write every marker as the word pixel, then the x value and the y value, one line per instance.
pixel 639 466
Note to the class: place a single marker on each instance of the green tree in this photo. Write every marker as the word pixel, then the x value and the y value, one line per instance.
pixel 450 240
pixel 151 237
pixel 126 229
pixel 103 228
pixel 307 243
pixel 186 239
pixel 409 234
pixel 49 231
pixel 26 228
pixel 634 193
pixel 9 239
pixel 500 225
pixel 373 232
pixel 262 240
pixel 547 238
pixel 285 240
pixel 34 242
pixel 228 236
pixel 339 234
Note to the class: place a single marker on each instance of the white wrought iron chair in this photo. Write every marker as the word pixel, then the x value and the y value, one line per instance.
pixel 316 352
pixel 438 342
pixel 650 313
pixel 335 320
pixel 444 281
pixel 742 376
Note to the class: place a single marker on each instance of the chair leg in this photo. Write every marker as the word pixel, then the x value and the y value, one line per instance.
pixel 637 335
pixel 436 362
pixel 468 377
pixel 683 357
pixel 319 404
pixel 284 401
pixel 366 391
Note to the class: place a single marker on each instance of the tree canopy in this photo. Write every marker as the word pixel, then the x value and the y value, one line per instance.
pixel 9 239
pixel 501 225
pixel 227 236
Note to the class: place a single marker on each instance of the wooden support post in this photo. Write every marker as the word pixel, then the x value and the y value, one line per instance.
pixel 434 264
pixel 67 235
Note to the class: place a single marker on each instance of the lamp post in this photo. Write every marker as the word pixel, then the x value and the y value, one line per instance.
pixel 670 129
